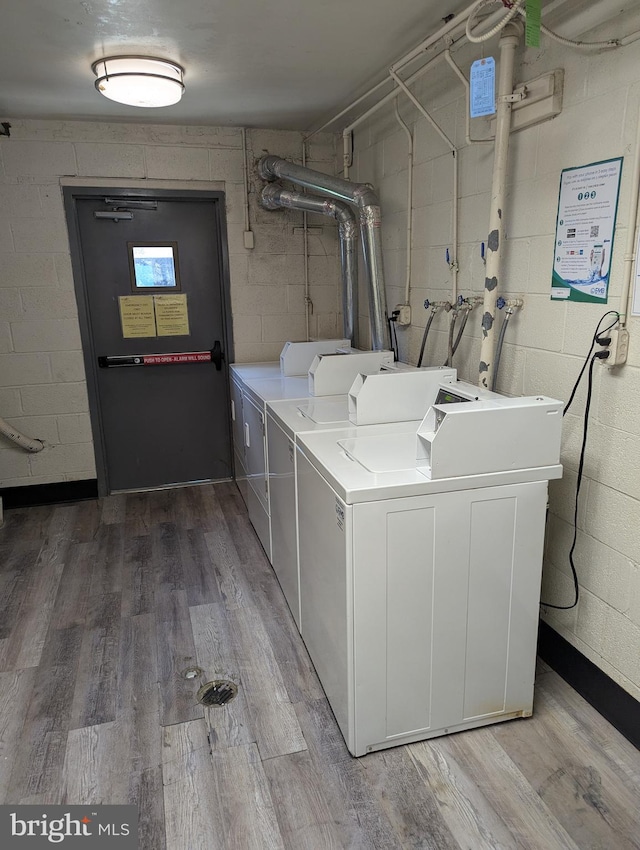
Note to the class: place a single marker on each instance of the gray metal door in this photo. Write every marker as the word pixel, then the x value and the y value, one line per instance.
pixel 152 270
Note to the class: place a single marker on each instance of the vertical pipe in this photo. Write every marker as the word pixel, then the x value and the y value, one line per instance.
pixel 308 304
pixel 629 254
pixel 495 240
pixel 245 175
pixel 407 282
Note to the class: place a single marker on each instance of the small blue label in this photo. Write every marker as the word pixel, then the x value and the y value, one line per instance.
pixel 482 97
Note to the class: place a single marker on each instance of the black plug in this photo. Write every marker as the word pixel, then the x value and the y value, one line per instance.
pixel 602 355
pixel 603 340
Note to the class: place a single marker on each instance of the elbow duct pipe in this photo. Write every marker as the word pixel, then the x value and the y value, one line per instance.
pixel 274 197
pixel 19 439
pixel 366 201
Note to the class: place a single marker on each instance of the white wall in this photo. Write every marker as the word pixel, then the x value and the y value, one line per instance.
pixel 42 381
pixel 546 341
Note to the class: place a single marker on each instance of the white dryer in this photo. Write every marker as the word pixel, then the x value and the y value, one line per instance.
pixel 420 555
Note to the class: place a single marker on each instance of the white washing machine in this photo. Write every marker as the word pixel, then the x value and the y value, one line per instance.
pixel 334 375
pixel 295 360
pixel 378 398
pixel 420 559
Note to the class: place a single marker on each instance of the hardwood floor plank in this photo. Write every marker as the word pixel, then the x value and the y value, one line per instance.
pixel 70 606
pixel 244 800
pixel 87 521
pixel 229 725
pixel 98 770
pixel 146 792
pixel 198 508
pixel 362 824
pixel 15 691
pixel 26 524
pixel 95 693
pixel 233 583
pixel 95 766
pixel 138 577
pixel 304 816
pixel 298 673
pixel 408 803
pixel 273 717
pixel 107 569
pixel 176 652
pixel 560 767
pixel 138 515
pixel 469 816
pixel 113 509
pixel 527 817
pixel 25 646
pixel 198 570
pixel 165 550
pixel 192 818
pixel 162 506
pixel 18 581
pixel 137 693
pixel 592 730
pixel 38 778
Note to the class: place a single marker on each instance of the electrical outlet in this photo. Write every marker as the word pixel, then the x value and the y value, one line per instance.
pixel 404 314
pixel 619 347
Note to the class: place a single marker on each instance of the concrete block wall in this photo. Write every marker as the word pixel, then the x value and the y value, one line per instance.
pixel 547 341
pixel 42 381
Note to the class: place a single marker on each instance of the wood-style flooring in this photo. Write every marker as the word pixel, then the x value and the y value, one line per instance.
pixel 104 605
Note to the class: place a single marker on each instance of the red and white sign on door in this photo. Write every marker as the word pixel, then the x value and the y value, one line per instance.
pixel 184 357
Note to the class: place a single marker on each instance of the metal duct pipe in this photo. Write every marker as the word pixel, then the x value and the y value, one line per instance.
pixel 365 199
pixel 275 197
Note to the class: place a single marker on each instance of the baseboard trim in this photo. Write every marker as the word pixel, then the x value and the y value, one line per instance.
pixel 49 494
pixel 606 696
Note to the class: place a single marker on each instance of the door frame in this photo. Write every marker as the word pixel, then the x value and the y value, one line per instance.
pixel 71 194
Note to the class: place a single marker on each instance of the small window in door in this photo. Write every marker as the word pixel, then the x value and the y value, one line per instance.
pixel 154 266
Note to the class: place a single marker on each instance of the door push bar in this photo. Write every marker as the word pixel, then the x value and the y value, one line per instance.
pixel 216 356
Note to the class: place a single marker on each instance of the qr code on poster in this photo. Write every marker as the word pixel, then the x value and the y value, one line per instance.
pixel 595 230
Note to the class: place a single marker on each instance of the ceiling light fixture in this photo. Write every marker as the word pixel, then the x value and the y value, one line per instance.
pixel 139 80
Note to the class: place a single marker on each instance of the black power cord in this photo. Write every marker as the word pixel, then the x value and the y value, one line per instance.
pixel 599 338
pixel 393 336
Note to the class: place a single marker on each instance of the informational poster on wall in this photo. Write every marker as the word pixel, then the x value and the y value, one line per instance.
pixel 587 208
pixel 172 318
pixel 137 316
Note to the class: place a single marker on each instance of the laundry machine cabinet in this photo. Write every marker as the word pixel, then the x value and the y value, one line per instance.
pixel 420 614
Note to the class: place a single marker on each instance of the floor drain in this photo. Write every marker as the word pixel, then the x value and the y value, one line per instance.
pixel 191 673
pixel 219 692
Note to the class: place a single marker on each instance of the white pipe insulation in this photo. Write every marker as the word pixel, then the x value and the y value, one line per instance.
pixel 363 197
pixel 26 443
pixel 495 240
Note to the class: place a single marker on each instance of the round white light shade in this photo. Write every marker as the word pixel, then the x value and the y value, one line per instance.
pixel 139 81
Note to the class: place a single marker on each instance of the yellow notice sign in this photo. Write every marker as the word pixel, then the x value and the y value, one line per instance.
pixel 137 316
pixel 172 318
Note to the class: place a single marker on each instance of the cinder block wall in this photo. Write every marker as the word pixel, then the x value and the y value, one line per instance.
pixel 546 341
pixel 42 381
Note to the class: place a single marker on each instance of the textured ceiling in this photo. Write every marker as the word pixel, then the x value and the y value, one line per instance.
pixel 284 64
